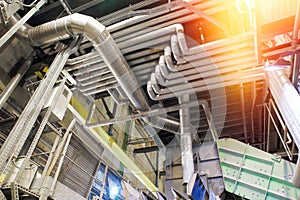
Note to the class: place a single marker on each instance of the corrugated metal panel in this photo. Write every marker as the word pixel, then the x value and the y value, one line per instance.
pixel 274 10
pixel 71 174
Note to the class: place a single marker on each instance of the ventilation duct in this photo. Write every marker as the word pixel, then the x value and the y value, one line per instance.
pixel 104 44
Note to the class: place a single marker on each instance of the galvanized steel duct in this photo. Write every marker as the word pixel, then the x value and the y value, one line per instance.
pixel 103 43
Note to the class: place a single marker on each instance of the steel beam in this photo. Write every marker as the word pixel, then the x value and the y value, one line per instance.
pixel 145 149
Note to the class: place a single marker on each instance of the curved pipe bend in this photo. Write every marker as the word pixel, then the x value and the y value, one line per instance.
pixel 103 43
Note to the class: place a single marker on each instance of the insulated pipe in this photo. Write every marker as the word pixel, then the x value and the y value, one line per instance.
pixel 287 100
pixel 97 85
pixel 83 58
pixel 207 81
pixel 103 43
pixel 166 78
pixel 202 88
pixel 101 78
pixel 168 19
pixel 13 83
pixel 186 140
pixel 212 48
pixel 94 71
pixel 100 89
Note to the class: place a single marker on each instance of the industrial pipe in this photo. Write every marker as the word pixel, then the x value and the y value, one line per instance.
pixel 103 43
pixel 287 99
pixel 13 83
pixel 16 25
pixel 187 160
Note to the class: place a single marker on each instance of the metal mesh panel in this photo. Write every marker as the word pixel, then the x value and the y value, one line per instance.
pixel 78 168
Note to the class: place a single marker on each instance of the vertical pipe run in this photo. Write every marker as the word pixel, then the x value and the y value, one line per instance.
pixel 296 27
pixel 244 112
pixel 186 140
pixel 295 58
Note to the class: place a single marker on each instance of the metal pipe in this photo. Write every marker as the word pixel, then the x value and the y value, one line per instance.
pixel 95 86
pixel 152 112
pixel 50 157
pixel 15 141
pixel 22 31
pixel 101 78
pixel 60 147
pixel 186 140
pixel 63 154
pixel 85 76
pixel 207 82
pixel 286 98
pixel 295 58
pixel 296 27
pixel 166 78
pixel 243 112
pixel 66 7
pixel 253 96
pixel 21 22
pixel 222 84
pixel 13 83
pixel 100 89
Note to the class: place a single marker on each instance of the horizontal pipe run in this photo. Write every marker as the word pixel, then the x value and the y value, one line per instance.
pixel 206 82
pixel 153 112
pixel 100 89
pixel 223 84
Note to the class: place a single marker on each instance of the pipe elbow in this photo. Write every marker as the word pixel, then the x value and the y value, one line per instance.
pixel 168 59
pixel 159 77
pixel 154 84
pixel 150 91
pixel 176 50
pixel 67 27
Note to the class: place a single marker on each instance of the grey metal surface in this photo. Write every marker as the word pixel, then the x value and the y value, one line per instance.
pixel 186 139
pixel 286 98
pixel 10 87
pixel 104 44
pixel 21 22
pixel 17 137
pixel 39 133
pixel 72 174
pixel 207 165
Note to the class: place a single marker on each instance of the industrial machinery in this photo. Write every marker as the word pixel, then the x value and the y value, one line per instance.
pixel 152 99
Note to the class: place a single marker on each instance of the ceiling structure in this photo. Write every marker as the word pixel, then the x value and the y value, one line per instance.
pixel 148 76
